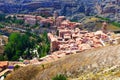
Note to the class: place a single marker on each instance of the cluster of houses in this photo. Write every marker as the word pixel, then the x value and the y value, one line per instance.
pixel 56 20
pixel 67 39
pixel 32 19
pixel 70 39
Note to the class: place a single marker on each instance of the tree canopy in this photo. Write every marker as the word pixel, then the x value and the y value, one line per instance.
pixel 20 45
pixel 44 48
pixel 17 45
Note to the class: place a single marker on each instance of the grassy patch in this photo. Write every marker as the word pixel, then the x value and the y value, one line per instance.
pixel 109 21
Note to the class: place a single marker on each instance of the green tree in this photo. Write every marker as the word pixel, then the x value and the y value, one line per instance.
pixel 20 22
pixel 9 18
pixel 2 17
pixel 44 48
pixel 27 26
pixel 1 58
pixel 14 18
pixel 1 26
pixel 18 43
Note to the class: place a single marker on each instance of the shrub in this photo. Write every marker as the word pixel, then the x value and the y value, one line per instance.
pixel 16 67
pixel 1 58
pixel 59 77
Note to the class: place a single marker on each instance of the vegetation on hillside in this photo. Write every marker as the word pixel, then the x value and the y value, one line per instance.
pixel 42 44
pixel 20 45
pixel 23 44
pixel 94 24
pixel 17 45
pixel 1 57
pixel 44 48
pixel 59 77
pixel 109 21
pixel 10 20
pixel 16 67
pixel 14 20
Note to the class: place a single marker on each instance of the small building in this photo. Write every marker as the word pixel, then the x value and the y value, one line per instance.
pixel 3 65
pixel 31 21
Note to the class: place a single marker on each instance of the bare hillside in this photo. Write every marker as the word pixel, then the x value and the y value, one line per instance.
pixel 102 63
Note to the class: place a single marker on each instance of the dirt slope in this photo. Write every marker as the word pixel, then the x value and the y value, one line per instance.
pixel 88 63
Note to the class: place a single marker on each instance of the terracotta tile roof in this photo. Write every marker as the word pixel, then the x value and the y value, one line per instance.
pixel 3 63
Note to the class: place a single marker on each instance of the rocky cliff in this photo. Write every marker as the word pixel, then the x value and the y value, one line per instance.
pixel 106 8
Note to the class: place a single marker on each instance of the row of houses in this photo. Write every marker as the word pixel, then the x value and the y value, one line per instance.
pixel 55 20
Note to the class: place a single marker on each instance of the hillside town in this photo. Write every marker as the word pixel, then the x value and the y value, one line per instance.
pixel 65 37
pixel 59 39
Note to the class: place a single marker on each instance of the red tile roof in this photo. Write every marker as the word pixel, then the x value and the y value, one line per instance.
pixel 3 63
